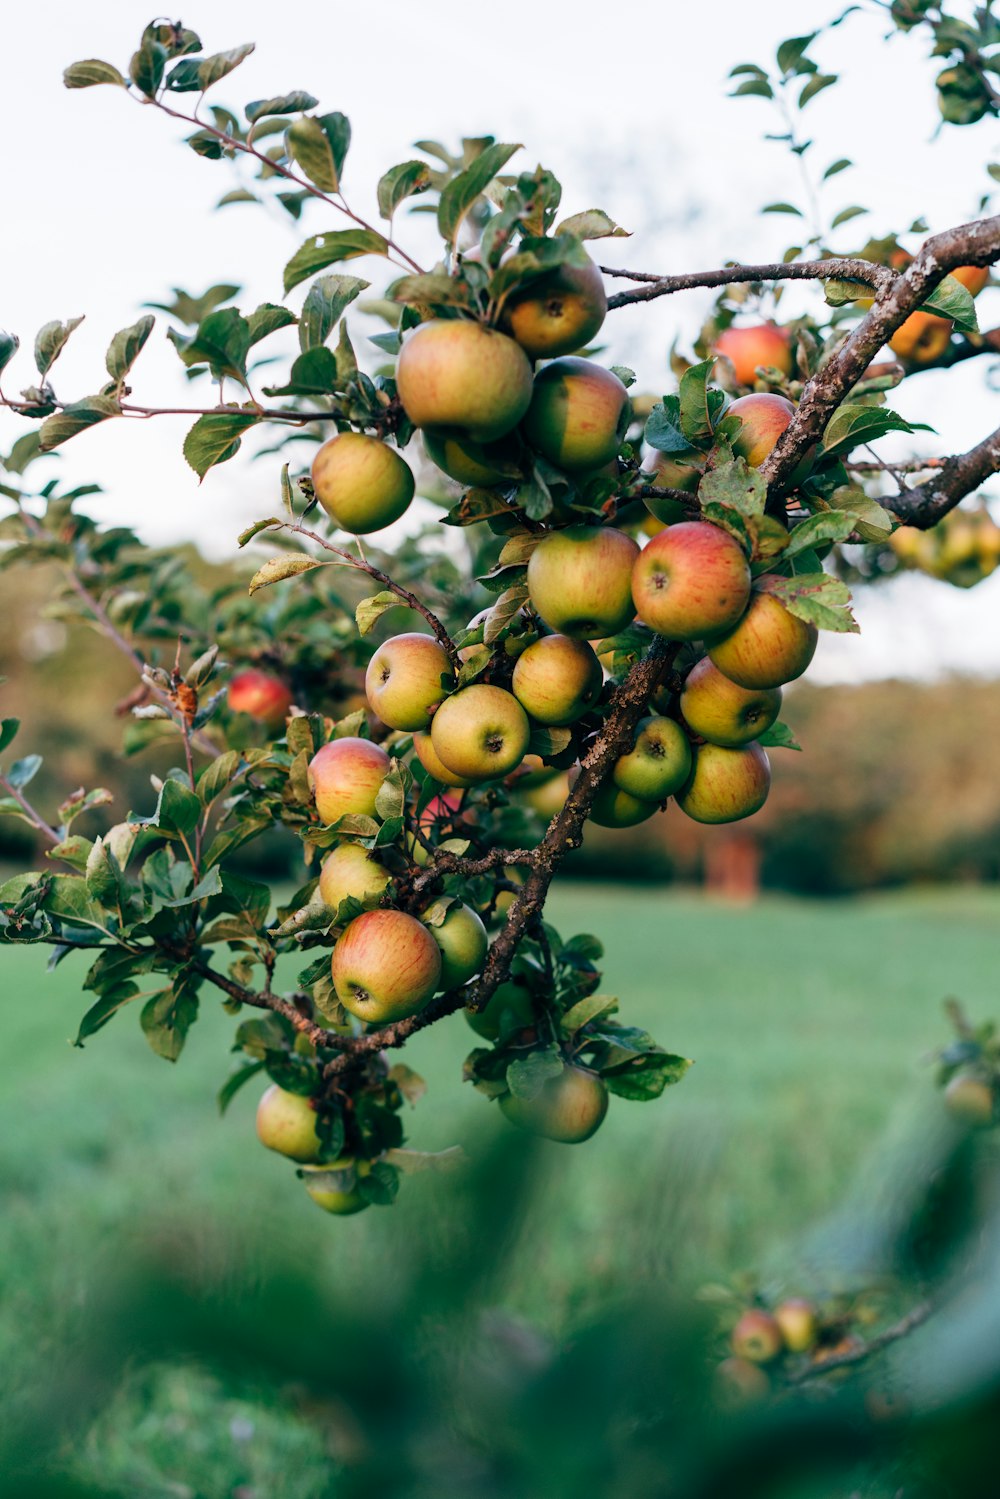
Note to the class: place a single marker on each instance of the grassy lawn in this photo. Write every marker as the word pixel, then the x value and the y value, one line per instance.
pixel 807 1021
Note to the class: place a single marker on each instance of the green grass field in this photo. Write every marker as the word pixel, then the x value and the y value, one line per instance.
pixel 807 1021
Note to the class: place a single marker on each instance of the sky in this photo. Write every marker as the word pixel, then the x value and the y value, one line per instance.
pixel 112 210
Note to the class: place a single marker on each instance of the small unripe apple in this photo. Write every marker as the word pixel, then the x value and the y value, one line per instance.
pixel 970 1099
pixel 429 758
pixel 454 373
pixel 485 465
pixel 406 679
pixel 335 1186
pixel 349 872
pixel 345 775
pixel 558 312
pixel 557 679
pixel 260 695
pixel 659 762
pixel 580 580
pixel 723 712
pixel 361 482
pixel 463 942
pixel 569 1107
pixel 768 647
pixel 385 966
pixel 741 1383
pixel 286 1122
pixel 757 1337
pixel 748 348
pixel 691 581
pixel 576 412
pixel 798 1322
pixel 511 1002
pixel 726 784
pixel 480 732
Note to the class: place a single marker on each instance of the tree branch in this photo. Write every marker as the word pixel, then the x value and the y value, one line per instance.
pixel 35 818
pixel 821 1366
pixel 840 269
pixel 925 504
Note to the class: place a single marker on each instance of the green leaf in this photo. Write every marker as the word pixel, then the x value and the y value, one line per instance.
pixel 278 568
pixel 435 289
pixel 106 1008
pixel 318 144
pixel 370 610
pixel 178 810
pixel 24 771
pixel 853 423
pixel 215 438
pixel 324 305
pixel 9 345
pixel 126 346
pixel 90 72
pixel 838 291
pixel 695 413
pixel 167 1018
pixel 830 525
pixel 840 165
pixel 75 418
pixel 401 182
pixel 816 598
pixel 585 1010
pixel 256 528
pixel 390 801
pixel 146 67
pixel 463 190
pixel 502 614
pixel 951 299
pixel 646 1076
pixel 313 373
pixel 871 521
pixel 663 427
pixel 817 83
pixel 220 63
pixel 526 1076
pixel 221 340
pixel 754 86
pixel 235 1082
pixel 735 485
pixel 217 775
pixel 326 249
pixel 50 340
pixel 779 736
pixel 593 223
pixel 280 104
pixel 791 52
pixel 783 208
pixel 8 729
pixel 846 214
pixel 547 741
pixel 267 319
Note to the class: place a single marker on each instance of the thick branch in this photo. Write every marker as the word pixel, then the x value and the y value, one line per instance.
pixel 852 1356
pixel 925 504
pixel 840 269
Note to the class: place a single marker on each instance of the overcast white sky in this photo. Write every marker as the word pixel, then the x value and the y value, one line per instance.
pixel 106 210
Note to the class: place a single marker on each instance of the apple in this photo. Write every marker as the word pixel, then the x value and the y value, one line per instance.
pixel 659 762
pixel 361 483
pixel 457 374
pixel 385 966
pixel 557 679
pixel 576 413
pixel 286 1122
pixel 757 1337
pixel 741 1383
pixel 972 277
pixel 723 712
pixel 970 1099
pixel 558 312
pixel 463 943
pixel 335 1185
pixel 769 647
pixel 569 1107
pixel 922 339
pixel 690 581
pixel 797 1320
pixel 350 872
pixel 345 775
pixel 726 784
pixel 764 344
pixel 486 465
pixel 431 761
pixel 549 797
pixel 531 772
pixel 511 1002
pixel 406 679
pixel 580 580
pixel 260 695
pixel 480 732
pixel 671 471
pixel 613 808
pixel 763 419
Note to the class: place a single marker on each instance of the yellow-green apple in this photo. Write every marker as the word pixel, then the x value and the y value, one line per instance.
pixel 361 482
pixel 798 1322
pixel 510 1007
pixel 726 784
pixel 429 758
pixel 558 312
pixel 557 679
pixel 486 465
pixel 349 872
pixel 723 712
pixel 569 1107
pixel 769 647
pixel 385 966
pixel 613 808
pixel 480 732
pixel 463 943
pixel 286 1122
pixel 763 419
pixel 748 348
pixel 671 471
pixel 970 1099
pixel 580 580
pixel 260 695
pixel 406 679
pixel 922 339
pixel 345 775
pixel 532 771
pixel 549 797
pixel 691 580
pixel 576 413
pixel 741 1383
pixel 334 1187
pixel 453 373
pixel 757 1337
pixel 659 762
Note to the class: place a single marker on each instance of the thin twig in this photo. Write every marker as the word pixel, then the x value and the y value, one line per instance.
pixel 821 1366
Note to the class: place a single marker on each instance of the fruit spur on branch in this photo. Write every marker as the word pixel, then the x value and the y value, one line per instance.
pixel 656 570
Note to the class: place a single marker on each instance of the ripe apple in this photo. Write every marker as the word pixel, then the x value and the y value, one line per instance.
pixel 480 732
pixel 922 339
pixel 345 775
pixel 690 581
pixel 769 647
pixel 613 808
pixel 453 373
pixel 486 465
pixel 557 679
pixel 286 1122
pixel 580 580
pixel 511 1001
pixel 726 784
pixel 431 761
pixel 406 679
pixel 385 966
pixel 741 1383
pixel 972 277
pixel 350 872
pixel 557 313
pixel 797 1320
pixel 569 1107
pixel 335 1188
pixel 970 1099
pixel 757 1337
pixel 260 695
pixel 723 712
pixel 763 418
pixel 575 414
pixel 659 762
pixel 463 942
pixel 361 482
pixel 747 348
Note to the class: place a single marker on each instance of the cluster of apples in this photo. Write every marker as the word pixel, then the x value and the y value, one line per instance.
pixel 762 1339
pixel 289 1124
pixel 962 549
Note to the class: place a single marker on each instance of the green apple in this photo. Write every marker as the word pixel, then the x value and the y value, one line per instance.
pixel 484 465
pixel 691 580
pixel 798 1322
pixel 431 761
pixel 558 312
pixel 557 679
pixel 549 796
pixel 286 1122
pixel 768 647
pixel 349 872
pixel 463 942
pixel 569 1107
pixel 671 471
pixel 406 679
pixel 260 695
pixel 757 1337
pixel 361 483
pixel 345 775
pixel 613 808
pixel 970 1099
pixel 659 762
pixel 334 1187
pixel 576 414
pixel 580 580
pixel 723 712
pixel 726 784
pixel 510 1007
pixel 460 375
pixel 385 966
pixel 480 732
